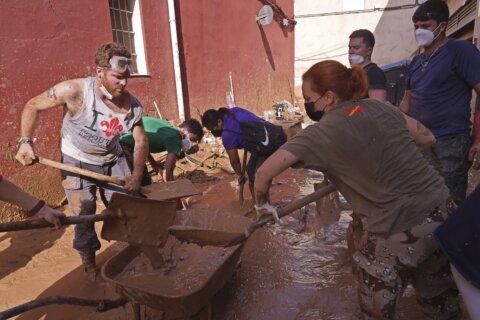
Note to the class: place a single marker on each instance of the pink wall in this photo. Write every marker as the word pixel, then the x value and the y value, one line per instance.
pixel 223 36
pixel 45 42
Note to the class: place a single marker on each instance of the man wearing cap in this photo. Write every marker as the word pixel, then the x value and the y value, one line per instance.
pixel 163 136
pixel 360 49
pixel 439 90
pixel 97 111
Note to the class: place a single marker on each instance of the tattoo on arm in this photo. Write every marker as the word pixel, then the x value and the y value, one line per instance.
pixel 422 129
pixel 52 93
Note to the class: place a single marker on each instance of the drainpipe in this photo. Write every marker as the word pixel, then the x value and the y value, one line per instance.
pixel 176 59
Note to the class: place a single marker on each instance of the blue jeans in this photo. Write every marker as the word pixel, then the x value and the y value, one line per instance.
pixel 82 196
pixel 449 156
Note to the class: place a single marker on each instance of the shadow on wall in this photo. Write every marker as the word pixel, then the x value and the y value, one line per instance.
pixel 266 45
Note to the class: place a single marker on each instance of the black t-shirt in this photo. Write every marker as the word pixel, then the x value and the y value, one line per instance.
pixel 376 77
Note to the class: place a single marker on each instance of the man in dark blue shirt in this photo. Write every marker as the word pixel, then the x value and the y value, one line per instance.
pixel 360 49
pixel 439 91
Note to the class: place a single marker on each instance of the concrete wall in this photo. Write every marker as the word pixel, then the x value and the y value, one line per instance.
pixel 45 42
pixel 324 26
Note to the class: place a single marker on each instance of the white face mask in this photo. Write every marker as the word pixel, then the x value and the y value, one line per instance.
pixel 425 37
pixel 105 92
pixel 186 145
pixel 355 59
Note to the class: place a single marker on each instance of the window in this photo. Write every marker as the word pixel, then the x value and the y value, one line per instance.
pixel 127 29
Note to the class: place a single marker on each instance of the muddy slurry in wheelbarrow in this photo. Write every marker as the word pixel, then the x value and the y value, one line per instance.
pixel 188 279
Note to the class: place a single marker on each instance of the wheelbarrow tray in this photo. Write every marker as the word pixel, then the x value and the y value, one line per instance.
pixel 181 291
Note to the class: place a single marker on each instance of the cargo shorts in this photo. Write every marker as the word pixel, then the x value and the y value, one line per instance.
pixel 81 194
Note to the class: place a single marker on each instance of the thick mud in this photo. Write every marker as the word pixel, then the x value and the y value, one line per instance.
pixel 297 270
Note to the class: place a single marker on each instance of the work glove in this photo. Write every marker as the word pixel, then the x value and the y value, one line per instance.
pixel 269 209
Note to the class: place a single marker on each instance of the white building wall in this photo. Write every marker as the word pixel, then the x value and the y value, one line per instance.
pixel 323 27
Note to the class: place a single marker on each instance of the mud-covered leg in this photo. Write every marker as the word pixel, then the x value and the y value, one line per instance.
pixel 380 283
pixel 81 195
pixel 377 299
pixel 437 294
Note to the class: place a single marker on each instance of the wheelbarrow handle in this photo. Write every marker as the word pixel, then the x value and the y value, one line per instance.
pixel 41 223
pixel 80 171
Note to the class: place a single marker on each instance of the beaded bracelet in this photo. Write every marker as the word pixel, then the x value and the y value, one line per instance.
pixel 40 204
pixel 23 140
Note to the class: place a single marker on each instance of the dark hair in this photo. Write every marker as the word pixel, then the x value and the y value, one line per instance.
pixel 108 50
pixel 367 37
pixel 432 9
pixel 331 75
pixel 210 117
pixel 193 126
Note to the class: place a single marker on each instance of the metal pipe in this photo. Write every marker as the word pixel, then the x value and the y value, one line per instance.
pixel 176 59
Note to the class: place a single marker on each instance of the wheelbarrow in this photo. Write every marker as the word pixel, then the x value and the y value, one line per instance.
pixel 202 272
pixel 191 275
pixel 138 221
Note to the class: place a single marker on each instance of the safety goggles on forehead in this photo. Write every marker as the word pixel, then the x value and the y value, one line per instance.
pixel 120 64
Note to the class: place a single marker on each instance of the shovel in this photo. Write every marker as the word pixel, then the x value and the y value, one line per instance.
pixel 158 191
pixel 131 219
pixel 225 238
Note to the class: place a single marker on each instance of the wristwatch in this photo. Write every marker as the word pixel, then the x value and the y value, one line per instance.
pixel 23 140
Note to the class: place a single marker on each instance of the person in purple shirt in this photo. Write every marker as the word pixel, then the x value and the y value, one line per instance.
pixel 439 90
pixel 228 123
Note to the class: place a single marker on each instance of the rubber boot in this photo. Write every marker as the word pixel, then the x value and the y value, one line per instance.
pixel 88 261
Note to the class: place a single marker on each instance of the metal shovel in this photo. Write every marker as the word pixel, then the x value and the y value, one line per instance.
pixel 204 234
pixel 131 219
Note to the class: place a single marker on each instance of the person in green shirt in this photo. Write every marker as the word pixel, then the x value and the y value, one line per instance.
pixel 163 136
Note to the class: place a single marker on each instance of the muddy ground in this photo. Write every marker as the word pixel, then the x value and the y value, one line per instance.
pixel 299 270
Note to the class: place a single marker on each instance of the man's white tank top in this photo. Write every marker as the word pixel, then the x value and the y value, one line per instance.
pixel 92 135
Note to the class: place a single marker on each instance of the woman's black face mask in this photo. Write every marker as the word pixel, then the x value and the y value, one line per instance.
pixel 217 132
pixel 311 113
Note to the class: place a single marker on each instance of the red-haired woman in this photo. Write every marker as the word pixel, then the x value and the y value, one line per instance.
pixel 370 151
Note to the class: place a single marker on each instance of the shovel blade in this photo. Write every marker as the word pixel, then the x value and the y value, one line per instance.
pixel 138 220
pixel 215 229
pixel 170 190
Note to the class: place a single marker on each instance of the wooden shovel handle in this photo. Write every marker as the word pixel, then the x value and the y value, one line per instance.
pixel 289 208
pixel 41 223
pixel 80 171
